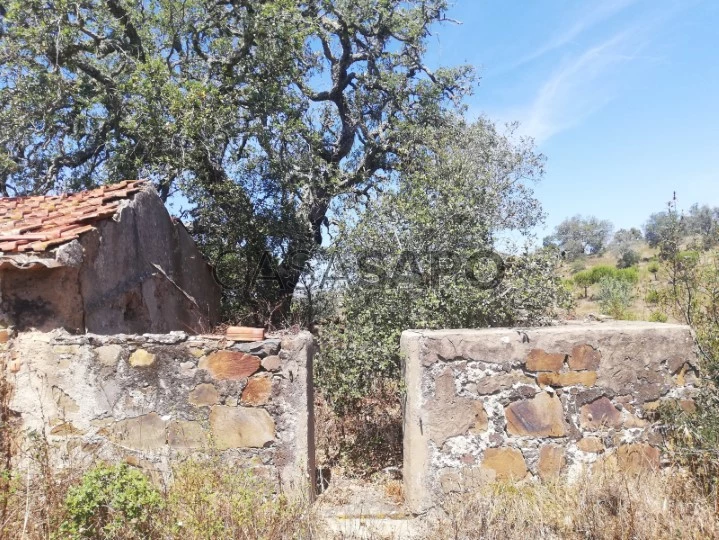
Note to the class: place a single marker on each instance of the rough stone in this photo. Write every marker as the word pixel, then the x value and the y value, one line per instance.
pixel 258 391
pixel 146 432
pixel 551 461
pixel 593 445
pixel 64 402
pixel 637 457
pixel 186 434
pixel 492 384
pixel 539 360
pixel 66 429
pixel 465 480
pixel 600 414
pixel 507 463
pixel 204 395
pixel 571 378
pixel 541 416
pixel 232 365
pixel 272 363
pixel 108 355
pixel 451 415
pixel 4 335
pixel 267 347
pixel 141 358
pixel 585 357
pixel 241 427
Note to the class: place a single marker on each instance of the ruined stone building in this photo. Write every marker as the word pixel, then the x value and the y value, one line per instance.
pixel 108 260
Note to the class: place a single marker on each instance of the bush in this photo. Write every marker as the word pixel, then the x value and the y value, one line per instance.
pixel 652 297
pixel 615 296
pixel 111 501
pixel 653 268
pixel 628 259
pixel 658 316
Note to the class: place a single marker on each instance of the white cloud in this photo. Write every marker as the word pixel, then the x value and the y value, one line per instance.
pixel 602 11
pixel 578 88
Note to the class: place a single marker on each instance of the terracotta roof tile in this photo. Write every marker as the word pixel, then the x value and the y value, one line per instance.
pixel 44 222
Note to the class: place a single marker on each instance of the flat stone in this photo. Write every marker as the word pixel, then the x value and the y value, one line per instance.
pixel 4 335
pixel 141 358
pixel 688 405
pixel 450 415
pixel 146 432
pixel 570 378
pixel 541 416
pixel 241 427
pixel 539 360
pixel 186 434
pixel 637 457
pixel 507 463
pixel 551 461
pixel 272 363
pixel 232 365
pixel 64 402
pixel 258 391
pixel 465 480
pixel 593 445
pixel 632 421
pixel 66 429
pixel 585 357
pixel 491 384
pixel 108 355
pixel 204 395
pixel 267 347
pixel 600 414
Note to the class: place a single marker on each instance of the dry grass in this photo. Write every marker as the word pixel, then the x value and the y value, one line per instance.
pixel 363 441
pixel 603 504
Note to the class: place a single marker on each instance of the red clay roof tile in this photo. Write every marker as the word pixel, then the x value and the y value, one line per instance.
pixel 44 222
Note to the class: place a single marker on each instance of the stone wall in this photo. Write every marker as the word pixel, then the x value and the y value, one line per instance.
pixel 508 404
pixel 153 400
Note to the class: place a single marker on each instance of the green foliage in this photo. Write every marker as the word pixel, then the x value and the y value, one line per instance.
pixel 584 279
pixel 628 259
pixel 112 501
pixel 577 236
pixel 658 316
pixel 426 246
pixel 265 114
pixel 615 296
pixel 653 268
pixel 652 297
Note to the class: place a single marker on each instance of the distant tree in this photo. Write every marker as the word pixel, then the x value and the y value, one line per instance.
pixel 625 236
pixel 578 236
pixel 584 279
pixel 665 228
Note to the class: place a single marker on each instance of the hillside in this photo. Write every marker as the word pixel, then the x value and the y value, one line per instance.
pixel 641 307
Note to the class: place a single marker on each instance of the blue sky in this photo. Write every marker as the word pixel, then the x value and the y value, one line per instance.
pixel 622 96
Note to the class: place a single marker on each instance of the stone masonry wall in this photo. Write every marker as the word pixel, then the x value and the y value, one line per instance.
pixel 153 400
pixel 503 404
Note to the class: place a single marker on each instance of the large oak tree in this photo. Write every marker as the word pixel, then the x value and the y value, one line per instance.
pixel 268 115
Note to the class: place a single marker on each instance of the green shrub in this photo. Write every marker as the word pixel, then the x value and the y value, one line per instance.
pixel 112 501
pixel 653 268
pixel 652 297
pixel 615 296
pixel 602 271
pixel 628 259
pixel 658 316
